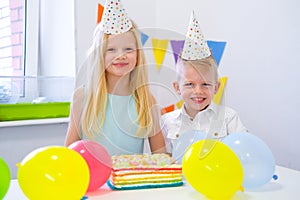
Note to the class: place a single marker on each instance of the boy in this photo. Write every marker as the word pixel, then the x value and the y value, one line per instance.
pixel 197 82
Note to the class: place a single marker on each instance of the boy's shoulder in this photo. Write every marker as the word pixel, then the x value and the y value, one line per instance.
pixel 228 111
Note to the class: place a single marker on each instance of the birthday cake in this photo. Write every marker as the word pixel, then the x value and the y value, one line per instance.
pixel 144 171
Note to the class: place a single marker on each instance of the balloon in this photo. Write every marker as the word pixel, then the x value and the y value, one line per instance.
pixel 98 161
pixel 185 140
pixel 212 169
pixel 257 159
pixel 53 172
pixel 4 178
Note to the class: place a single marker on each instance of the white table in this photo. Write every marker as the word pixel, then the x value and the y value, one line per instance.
pixel 287 186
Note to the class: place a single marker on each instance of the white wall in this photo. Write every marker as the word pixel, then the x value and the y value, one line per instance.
pixel 260 58
pixel 56 50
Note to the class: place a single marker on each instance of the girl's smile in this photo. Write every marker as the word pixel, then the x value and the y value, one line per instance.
pixel 120 64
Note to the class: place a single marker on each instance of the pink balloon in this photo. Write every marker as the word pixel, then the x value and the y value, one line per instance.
pixel 98 160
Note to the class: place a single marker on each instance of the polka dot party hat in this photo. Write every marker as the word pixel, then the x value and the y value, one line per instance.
pixel 195 46
pixel 115 19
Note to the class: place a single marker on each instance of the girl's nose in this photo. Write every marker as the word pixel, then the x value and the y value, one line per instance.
pixel 122 55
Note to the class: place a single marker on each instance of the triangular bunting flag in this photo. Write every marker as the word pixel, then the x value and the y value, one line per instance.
pixel 100 12
pixel 167 109
pixel 217 49
pixel 179 104
pixel 219 94
pixel 159 50
pixel 177 46
pixel 144 38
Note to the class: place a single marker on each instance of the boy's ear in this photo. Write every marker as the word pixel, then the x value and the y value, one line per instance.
pixel 217 87
pixel 176 87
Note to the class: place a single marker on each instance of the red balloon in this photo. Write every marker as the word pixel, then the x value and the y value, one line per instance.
pixel 98 161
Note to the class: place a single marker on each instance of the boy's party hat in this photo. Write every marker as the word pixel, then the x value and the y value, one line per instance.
pixel 195 46
pixel 115 19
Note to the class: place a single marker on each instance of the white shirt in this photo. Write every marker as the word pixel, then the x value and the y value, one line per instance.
pixel 216 121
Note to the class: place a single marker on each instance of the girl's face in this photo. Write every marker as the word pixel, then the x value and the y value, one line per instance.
pixel 196 88
pixel 120 54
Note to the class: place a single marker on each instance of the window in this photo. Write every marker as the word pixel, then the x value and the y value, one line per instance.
pixel 37 51
pixel 11 49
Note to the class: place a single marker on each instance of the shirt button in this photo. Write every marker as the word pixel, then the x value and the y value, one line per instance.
pixel 177 135
pixel 216 134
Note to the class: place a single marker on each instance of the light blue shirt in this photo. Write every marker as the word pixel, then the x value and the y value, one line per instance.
pixel 120 126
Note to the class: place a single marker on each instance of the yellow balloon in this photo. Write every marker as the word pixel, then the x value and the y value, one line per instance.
pixel 213 169
pixel 53 172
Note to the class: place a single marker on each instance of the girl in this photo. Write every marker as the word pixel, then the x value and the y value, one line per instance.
pixel 116 108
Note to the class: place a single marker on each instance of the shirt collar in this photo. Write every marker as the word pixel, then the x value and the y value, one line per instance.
pixel 213 107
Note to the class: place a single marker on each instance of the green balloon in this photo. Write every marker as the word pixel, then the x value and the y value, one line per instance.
pixel 4 178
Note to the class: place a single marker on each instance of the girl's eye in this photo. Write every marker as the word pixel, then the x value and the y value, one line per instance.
pixel 128 50
pixel 110 50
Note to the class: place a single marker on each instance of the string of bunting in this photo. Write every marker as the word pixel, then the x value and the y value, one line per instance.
pixel 160 47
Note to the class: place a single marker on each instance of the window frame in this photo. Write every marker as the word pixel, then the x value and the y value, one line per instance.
pixel 33 67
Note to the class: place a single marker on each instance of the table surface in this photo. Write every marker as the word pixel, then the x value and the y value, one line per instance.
pixel 285 187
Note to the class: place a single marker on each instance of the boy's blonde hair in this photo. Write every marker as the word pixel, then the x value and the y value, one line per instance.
pixel 93 115
pixel 201 65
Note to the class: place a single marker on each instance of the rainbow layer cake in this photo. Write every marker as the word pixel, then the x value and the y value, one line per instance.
pixel 144 171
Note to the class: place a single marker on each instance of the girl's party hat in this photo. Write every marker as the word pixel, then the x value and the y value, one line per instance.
pixel 115 19
pixel 195 46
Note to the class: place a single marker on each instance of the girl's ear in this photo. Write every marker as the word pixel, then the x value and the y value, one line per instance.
pixel 176 87
pixel 217 87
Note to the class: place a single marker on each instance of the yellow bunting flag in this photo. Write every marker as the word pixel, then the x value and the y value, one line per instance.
pixel 219 94
pixel 159 50
pixel 179 104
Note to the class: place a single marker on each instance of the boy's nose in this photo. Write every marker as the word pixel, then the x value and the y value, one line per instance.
pixel 198 89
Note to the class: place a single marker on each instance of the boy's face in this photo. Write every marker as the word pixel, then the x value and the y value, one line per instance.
pixel 196 87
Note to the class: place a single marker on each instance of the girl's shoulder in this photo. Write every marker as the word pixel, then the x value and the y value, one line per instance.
pixel 79 92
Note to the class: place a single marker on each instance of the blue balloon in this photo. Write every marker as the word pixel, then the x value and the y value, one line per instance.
pixel 257 159
pixel 184 141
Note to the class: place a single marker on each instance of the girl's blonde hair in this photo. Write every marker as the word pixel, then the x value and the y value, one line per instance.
pixel 93 115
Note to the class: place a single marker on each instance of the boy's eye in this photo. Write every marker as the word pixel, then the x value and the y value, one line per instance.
pixel 206 85
pixel 190 85
pixel 193 85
